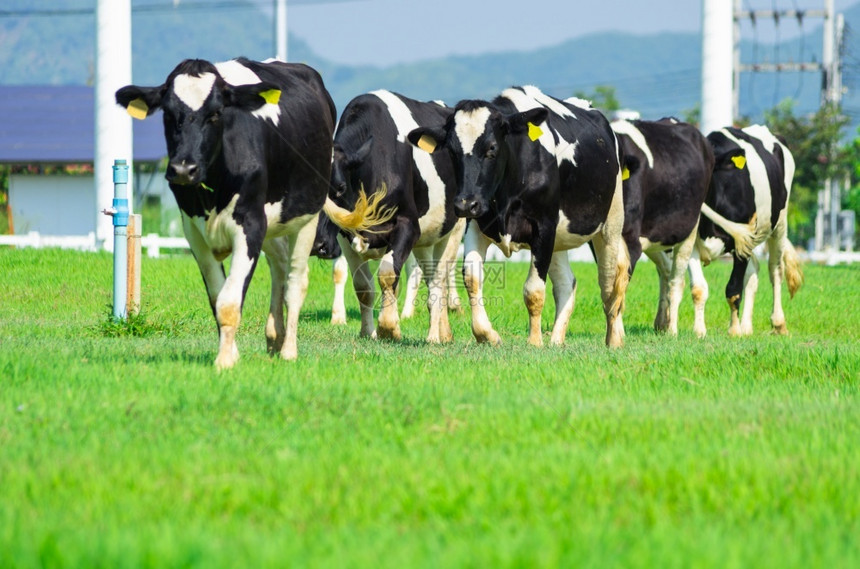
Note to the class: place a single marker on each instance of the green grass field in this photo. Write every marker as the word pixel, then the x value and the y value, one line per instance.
pixel 129 450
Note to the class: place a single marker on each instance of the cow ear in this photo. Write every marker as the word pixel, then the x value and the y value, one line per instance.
pixel 734 159
pixel 139 102
pixel 527 122
pixel 355 159
pixel 251 97
pixel 428 139
pixel 629 166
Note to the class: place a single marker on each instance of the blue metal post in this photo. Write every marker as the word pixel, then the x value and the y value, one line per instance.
pixel 120 238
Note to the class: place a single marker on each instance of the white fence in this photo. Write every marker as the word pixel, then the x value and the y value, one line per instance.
pixel 151 243
pixel 154 243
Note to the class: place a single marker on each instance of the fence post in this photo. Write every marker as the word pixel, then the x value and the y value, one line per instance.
pixel 135 224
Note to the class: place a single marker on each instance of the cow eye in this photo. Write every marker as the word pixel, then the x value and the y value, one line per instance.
pixel 492 149
pixel 215 117
pixel 340 189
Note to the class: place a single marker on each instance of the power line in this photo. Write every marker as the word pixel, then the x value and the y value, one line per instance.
pixel 161 7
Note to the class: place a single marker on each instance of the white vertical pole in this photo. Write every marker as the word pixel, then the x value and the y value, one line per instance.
pixel 281 29
pixel 736 62
pixel 113 137
pixel 828 52
pixel 717 68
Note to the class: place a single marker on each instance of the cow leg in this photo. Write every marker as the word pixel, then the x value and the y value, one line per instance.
pixel 451 250
pixel 445 261
pixel 362 282
pixel 339 272
pixel 534 289
pixel 750 288
pixel 564 294
pixel 228 307
pixel 389 321
pixel 776 245
pixel 476 244
pixel 454 302
pixel 436 278
pixel 699 292
pixel 734 293
pixel 413 283
pixel 211 269
pixel 680 259
pixel 297 283
pixel 277 256
pixel 663 265
pixel 403 238
pixel 613 262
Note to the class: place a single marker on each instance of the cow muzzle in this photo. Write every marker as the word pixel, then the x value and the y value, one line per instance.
pixel 469 207
pixel 182 173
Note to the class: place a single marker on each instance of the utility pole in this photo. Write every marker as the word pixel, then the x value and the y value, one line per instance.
pixel 717 64
pixel 827 221
pixel 281 29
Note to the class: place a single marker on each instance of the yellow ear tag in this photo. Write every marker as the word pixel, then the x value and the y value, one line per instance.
pixel 740 161
pixel 534 132
pixel 272 96
pixel 137 109
pixel 625 173
pixel 427 144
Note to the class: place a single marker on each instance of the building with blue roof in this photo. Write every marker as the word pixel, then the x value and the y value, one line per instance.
pixel 44 126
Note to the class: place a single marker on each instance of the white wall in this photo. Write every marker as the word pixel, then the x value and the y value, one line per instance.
pixel 53 205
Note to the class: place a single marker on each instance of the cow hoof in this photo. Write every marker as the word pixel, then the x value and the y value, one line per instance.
pixel 734 331
pixel 446 335
pixel 614 341
pixel 338 319
pixel 224 362
pixel 388 333
pixel 700 332
pixel 780 329
pixel 492 337
pixel 274 345
pixel 290 354
pixel 536 340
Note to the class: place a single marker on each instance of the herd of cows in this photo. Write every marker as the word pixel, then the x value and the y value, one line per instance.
pixel 259 162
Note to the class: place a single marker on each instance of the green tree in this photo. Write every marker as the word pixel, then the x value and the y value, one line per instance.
pixel 603 98
pixel 815 141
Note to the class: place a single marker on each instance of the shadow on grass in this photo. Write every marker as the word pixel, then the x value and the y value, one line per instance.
pixel 324 315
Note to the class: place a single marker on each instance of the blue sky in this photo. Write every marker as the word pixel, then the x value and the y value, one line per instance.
pixel 363 31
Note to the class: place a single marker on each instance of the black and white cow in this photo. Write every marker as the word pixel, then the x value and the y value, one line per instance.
pixel 745 207
pixel 410 191
pixel 667 168
pixel 544 174
pixel 249 157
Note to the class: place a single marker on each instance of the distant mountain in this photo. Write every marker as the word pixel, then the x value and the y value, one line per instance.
pixel 659 75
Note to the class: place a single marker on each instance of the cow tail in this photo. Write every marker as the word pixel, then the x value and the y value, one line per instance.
pixel 367 215
pixel 745 235
pixel 791 267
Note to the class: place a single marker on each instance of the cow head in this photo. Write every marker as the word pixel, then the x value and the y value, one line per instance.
pixel 345 182
pixel 477 136
pixel 196 104
pixel 348 204
pixel 731 175
pixel 325 244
